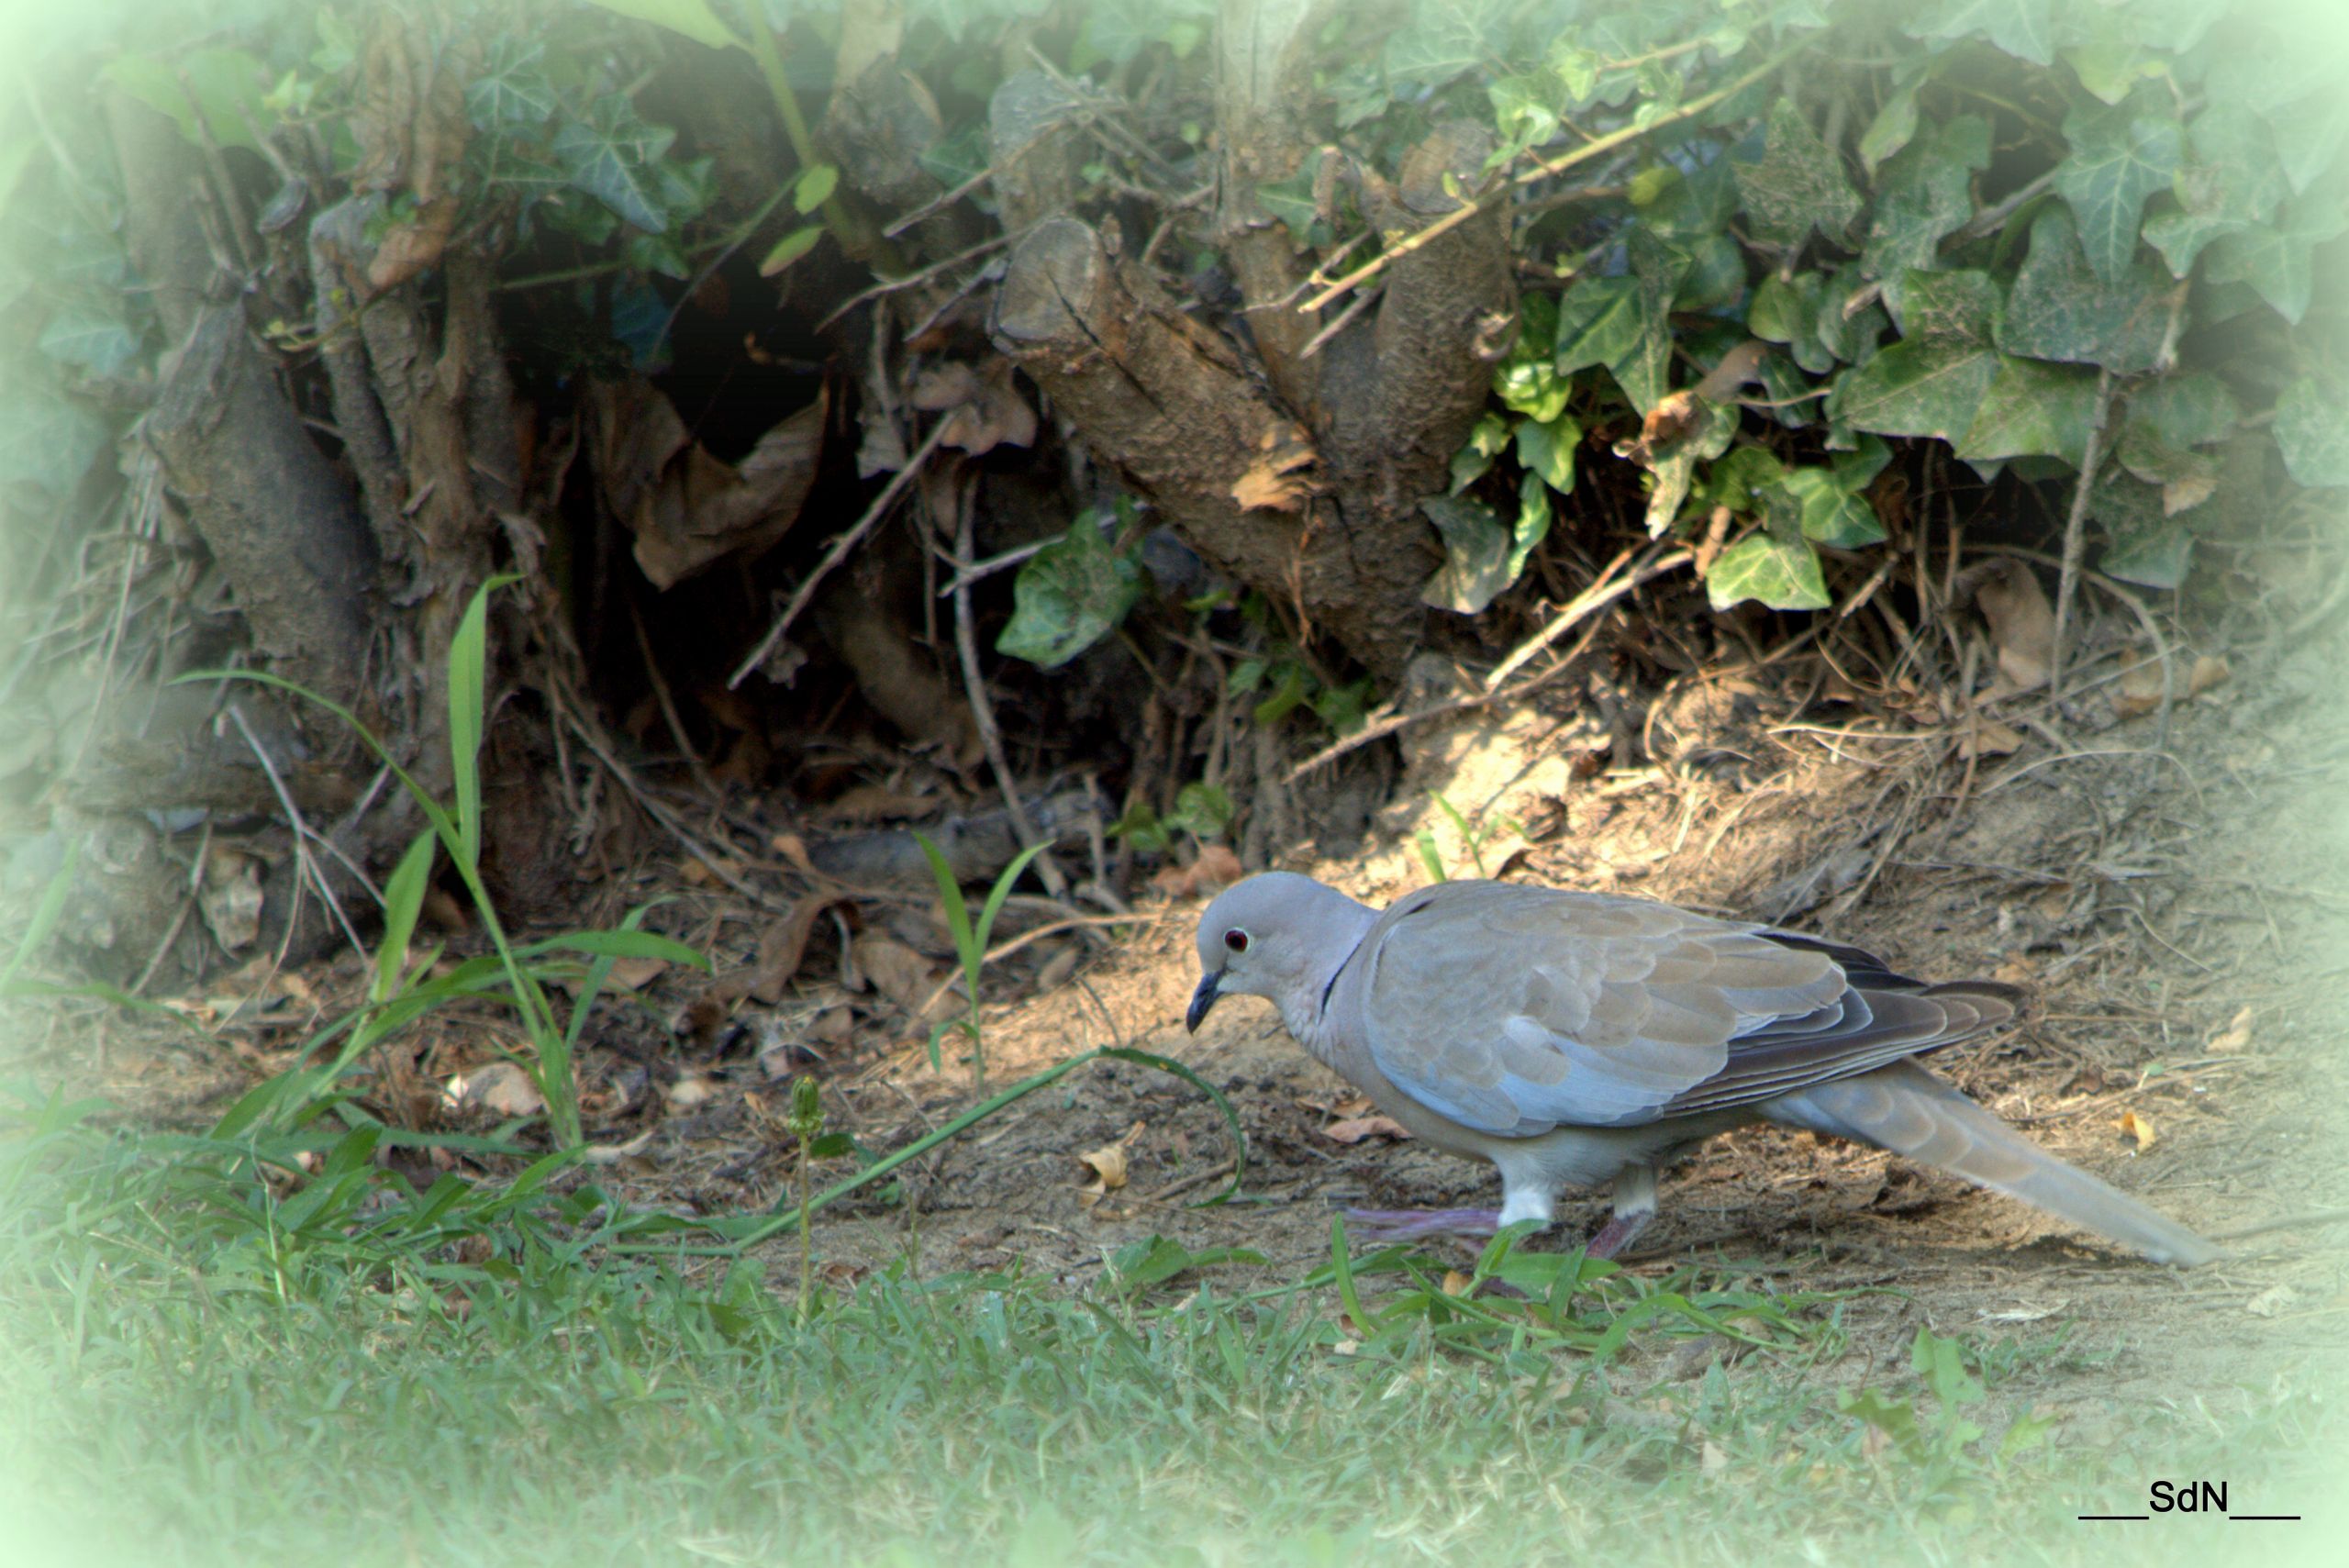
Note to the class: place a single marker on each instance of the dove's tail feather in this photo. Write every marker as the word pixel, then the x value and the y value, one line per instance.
pixel 1903 1107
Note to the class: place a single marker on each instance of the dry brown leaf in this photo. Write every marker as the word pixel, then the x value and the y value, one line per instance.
pixel 2017 970
pixel 636 973
pixel 501 1088
pixel 2022 623
pixel 1455 1283
pixel 1356 1129
pixel 2188 492
pixel 690 1091
pixel 687 508
pixel 983 411
pixel 868 804
pixel 2237 1036
pixel 613 1153
pixel 1216 868
pixel 794 849
pixel 1274 482
pixel 1981 735
pixel 2136 1126
pixel 1712 1459
pixel 1108 1166
pixel 782 946
pixel 903 975
pixel 2141 682
pixel 1058 968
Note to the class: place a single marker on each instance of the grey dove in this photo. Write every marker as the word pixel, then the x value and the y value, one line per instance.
pixel 1572 1037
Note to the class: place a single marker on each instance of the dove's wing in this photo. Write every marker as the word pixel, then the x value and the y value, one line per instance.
pixel 1513 1010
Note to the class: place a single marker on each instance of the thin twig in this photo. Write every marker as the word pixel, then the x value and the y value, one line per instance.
pixel 975 686
pixel 890 285
pixel 838 552
pixel 1543 170
pixel 2075 528
pixel 303 861
pixel 1339 323
pixel 937 204
pixel 1596 597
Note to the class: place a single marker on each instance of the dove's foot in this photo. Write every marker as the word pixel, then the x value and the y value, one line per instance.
pixel 1381 1225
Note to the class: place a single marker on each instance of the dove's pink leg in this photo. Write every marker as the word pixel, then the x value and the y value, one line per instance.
pixel 1635 1206
pixel 1379 1224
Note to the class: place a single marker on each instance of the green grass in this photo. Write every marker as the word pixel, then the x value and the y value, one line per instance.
pixel 200 1366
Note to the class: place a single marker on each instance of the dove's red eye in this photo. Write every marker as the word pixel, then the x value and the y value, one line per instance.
pixel 1236 941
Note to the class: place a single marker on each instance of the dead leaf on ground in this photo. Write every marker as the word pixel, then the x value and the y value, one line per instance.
pixel 1108 1164
pixel 2023 1313
pixel 1216 868
pixel 1356 1129
pixel 2237 1036
pixel 783 945
pixel 690 1091
pixel 903 975
pixel 635 974
pixel 2141 682
pixel 868 804
pixel 2022 623
pixel 2136 1126
pixel 613 1153
pixel 983 411
pixel 1456 1284
pixel 1981 735
pixel 501 1088
pixel 687 508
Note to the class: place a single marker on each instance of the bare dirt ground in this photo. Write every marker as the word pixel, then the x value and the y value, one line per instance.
pixel 2177 900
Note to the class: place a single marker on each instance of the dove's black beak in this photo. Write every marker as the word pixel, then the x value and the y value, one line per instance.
pixel 1202 999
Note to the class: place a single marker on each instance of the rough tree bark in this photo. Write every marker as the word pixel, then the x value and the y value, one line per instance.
pixel 1300 477
pixel 276 517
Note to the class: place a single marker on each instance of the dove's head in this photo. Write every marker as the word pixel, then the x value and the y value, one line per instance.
pixel 1280 936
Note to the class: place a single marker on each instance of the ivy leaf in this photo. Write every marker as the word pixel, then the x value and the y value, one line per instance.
pixel 2145 543
pixel 2119 156
pixel 1796 186
pixel 2279 260
pixel 2060 309
pixel 2188 410
pixel 2024 28
pixel 1823 505
pixel 1849 335
pixel 1890 131
pixel 1525 112
pixel 1068 596
pixel 1600 320
pixel 1476 554
pixel 1930 382
pixel 2312 432
pixel 1927 192
pixel 1534 515
pixel 1290 202
pixel 1546 448
pixel 2033 409
pixel 224 86
pixel 1527 380
pixel 1787 310
pixel 1783 573
pixel 513 88
pixel 1645 371
pixel 1485 441
pixel 1444 39
pixel 611 155
pixel 91 340
pixel 46 440
pixel 2231 182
